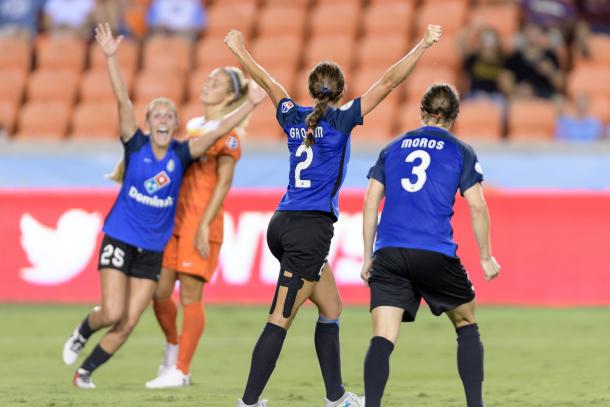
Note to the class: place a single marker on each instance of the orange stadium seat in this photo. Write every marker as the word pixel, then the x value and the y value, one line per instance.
pixel 502 17
pixel 381 50
pixel 329 19
pixel 300 3
pixel 128 56
pixel 95 120
pixel 171 54
pixel 262 124
pixel 60 53
pixel 95 85
pixel 225 16
pixel 599 49
pixel 12 84
pixel 600 108
pixel 8 115
pixel 41 119
pixel 531 119
pixel 196 79
pixel 450 14
pixel 364 78
pixel 479 119
pixel 16 54
pixel 272 51
pixel 139 111
pixel 339 49
pixel 188 111
pixel 379 125
pixel 212 53
pixel 151 84
pixel 383 18
pixel 443 54
pixel 592 80
pixel 410 117
pixel 52 85
pixel 420 79
pixel 281 19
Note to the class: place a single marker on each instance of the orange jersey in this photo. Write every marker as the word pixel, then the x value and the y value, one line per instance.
pixel 200 180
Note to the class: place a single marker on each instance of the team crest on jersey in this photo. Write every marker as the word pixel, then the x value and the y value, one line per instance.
pixel 286 106
pixel 232 143
pixel 171 165
pixel 157 182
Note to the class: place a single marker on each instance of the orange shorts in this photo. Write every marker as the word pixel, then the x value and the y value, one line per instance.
pixel 181 255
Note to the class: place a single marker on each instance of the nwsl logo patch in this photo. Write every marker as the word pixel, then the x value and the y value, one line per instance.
pixel 157 182
pixel 286 106
pixel 232 143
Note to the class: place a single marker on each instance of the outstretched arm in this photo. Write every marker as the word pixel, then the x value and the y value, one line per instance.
pixel 399 71
pixel 235 42
pixel 479 216
pixel 372 199
pixel 110 45
pixel 199 145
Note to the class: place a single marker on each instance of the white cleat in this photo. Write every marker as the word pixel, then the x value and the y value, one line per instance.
pixel 347 400
pixel 261 403
pixel 73 347
pixel 172 377
pixel 82 379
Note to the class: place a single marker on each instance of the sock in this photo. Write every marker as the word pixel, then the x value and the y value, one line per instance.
pixel 166 312
pixel 97 358
pixel 328 351
pixel 193 323
pixel 376 370
pixel 264 357
pixel 85 329
pixel 470 363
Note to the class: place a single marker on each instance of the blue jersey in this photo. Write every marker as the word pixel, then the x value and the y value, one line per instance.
pixel 317 172
pixel 143 213
pixel 421 172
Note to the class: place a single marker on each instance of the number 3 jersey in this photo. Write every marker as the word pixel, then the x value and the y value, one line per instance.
pixel 317 172
pixel 422 171
pixel 143 213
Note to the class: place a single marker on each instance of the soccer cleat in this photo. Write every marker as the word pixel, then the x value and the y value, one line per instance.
pixel 261 403
pixel 73 347
pixel 347 400
pixel 172 377
pixel 82 379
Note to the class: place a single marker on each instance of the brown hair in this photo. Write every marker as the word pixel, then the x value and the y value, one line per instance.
pixel 326 85
pixel 441 102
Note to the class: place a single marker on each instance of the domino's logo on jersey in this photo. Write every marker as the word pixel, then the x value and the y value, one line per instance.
pixel 286 106
pixel 157 182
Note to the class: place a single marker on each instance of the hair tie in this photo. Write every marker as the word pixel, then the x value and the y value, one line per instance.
pixel 325 91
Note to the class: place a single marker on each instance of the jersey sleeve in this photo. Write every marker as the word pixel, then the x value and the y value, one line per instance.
pixel 377 171
pixel 348 116
pixel 231 146
pixel 183 152
pixel 136 142
pixel 472 172
pixel 287 112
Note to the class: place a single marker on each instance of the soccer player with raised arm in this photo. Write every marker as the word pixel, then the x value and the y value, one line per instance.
pixel 415 256
pixel 301 229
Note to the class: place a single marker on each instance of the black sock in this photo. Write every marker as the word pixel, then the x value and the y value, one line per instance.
pixel 85 329
pixel 264 357
pixel 97 358
pixel 328 351
pixel 470 363
pixel 376 370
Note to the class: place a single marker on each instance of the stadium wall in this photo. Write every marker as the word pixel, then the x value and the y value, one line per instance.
pixel 552 247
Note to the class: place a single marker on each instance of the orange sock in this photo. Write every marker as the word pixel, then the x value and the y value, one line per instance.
pixel 166 312
pixel 193 322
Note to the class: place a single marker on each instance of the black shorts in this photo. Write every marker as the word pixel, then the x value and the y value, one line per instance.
pixel 300 240
pixel 130 260
pixel 401 277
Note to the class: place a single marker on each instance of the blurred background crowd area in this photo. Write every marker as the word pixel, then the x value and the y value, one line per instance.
pixel 526 70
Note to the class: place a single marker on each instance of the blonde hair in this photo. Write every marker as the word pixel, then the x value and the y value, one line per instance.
pixel 118 173
pixel 238 86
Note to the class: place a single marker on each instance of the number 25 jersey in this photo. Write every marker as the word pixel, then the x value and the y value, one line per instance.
pixel 422 171
pixel 317 172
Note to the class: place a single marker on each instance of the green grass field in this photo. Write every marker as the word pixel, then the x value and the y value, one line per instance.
pixel 534 357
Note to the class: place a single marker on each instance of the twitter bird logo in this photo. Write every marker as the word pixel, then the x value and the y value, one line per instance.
pixel 58 255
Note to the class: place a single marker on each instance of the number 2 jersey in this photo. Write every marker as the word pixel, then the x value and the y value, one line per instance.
pixel 422 171
pixel 143 213
pixel 317 172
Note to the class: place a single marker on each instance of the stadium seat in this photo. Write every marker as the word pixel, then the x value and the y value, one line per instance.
pixel 450 14
pixel 444 54
pixel 600 108
pixel 265 51
pixel 151 84
pixel 383 18
pixel 502 17
pixel 16 54
pixel 95 85
pixel 531 119
pixel 95 120
pixel 479 119
pixel 281 19
pixel 420 79
pixel 381 50
pixel 139 111
pixel 128 56
pixel 12 84
pixel 41 119
pixel 60 52
pixel 170 54
pixel 212 53
pixel 379 125
pixel 262 124
pixel 187 112
pixel 8 114
pixel 599 52
pixel 52 85
pixel 338 48
pixel 410 117
pixel 224 16
pixel 592 80
pixel 324 21
pixel 364 78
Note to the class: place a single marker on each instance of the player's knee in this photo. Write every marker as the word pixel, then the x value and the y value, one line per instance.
pixel 189 295
pixel 111 316
pixel 163 292
pixel 278 319
pixel 332 310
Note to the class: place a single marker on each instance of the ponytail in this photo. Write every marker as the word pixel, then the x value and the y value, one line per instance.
pixel 313 119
